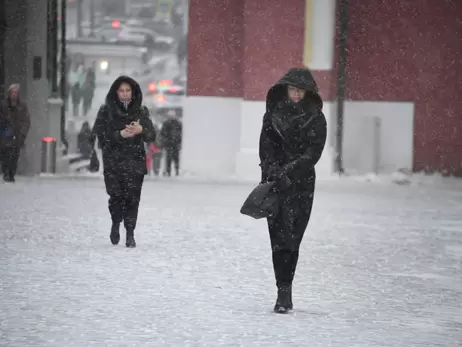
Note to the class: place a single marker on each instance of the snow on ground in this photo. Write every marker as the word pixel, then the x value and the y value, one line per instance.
pixel 380 265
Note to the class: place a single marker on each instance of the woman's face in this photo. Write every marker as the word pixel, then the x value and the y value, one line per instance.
pixel 295 94
pixel 124 93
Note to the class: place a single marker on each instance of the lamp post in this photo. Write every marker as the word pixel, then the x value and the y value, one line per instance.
pixel 92 18
pixel 79 18
pixel 63 75
pixel 343 59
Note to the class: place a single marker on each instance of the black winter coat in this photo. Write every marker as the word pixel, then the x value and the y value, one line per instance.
pixel 293 135
pixel 122 155
pixel 171 134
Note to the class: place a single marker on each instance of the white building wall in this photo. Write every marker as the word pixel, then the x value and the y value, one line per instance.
pixel 378 136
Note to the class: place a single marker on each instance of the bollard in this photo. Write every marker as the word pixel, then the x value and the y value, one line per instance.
pixel 49 155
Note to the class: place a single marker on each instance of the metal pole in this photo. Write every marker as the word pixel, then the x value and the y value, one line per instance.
pixel 79 18
pixel 2 47
pixel 92 18
pixel 54 46
pixel 343 59
pixel 63 75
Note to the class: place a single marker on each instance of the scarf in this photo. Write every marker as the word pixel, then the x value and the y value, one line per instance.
pixel 125 104
pixel 290 118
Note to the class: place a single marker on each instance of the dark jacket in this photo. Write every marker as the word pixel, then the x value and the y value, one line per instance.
pixel 84 140
pixel 293 135
pixel 171 134
pixel 119 154
pixel 14 124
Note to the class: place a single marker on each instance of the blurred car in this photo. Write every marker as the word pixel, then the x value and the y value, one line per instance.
pixel 109 31
pixel 144 36
pixel 164 98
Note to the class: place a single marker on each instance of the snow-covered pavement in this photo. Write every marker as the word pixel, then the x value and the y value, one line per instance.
pixel 380 265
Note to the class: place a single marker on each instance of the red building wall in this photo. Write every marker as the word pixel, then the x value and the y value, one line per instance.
pixel 412 51
pixel 404 51
pixel 215 48
pixel 239 48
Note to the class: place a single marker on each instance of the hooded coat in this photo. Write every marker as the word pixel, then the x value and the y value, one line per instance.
pixel 123 155
pixel 293 135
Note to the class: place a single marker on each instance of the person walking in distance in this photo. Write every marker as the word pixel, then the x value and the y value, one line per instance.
pixel 292 140
pixel 122 127
pixel 171 138
pixel 14 127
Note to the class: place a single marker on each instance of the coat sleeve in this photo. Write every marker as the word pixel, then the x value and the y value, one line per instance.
pixel 312 155
pixel 149 133
pixel 267 148
pixel 92 138
pixel 24 126
pixel 164 132
pixel 104 130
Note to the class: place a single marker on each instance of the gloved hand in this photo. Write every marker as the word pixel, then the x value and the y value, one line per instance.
pixel 278 175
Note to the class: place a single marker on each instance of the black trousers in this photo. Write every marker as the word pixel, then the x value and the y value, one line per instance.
pixel 9 157
pixel 173 156
pixel 156 161
pixel 124 190
pixel 286 233
pixel 87 101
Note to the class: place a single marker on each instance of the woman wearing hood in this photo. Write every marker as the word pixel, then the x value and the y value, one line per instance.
pixel 122 127
pixel 291 143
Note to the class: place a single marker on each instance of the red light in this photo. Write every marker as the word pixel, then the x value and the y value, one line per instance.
pixel 174 89
pixel 49 139
pixel 59 18
pixel 165 82
pixel 115 24
pixel 152 87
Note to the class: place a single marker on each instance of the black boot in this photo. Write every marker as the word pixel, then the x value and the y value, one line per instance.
pixel 115 235
pixel 284 300
pixel 8 178
pixel 130 241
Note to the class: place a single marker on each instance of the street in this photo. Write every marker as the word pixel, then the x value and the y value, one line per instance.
pixel 380 265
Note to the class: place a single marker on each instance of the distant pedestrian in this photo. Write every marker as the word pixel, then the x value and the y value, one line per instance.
pixel 14 127
pixel 171 139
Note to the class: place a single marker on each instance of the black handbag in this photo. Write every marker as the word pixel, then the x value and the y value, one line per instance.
pixel 262 202
pixel 94 162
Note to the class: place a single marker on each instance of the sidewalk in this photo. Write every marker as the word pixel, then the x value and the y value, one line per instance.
pixel 379 266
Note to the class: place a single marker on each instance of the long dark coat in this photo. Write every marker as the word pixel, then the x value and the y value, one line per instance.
pixel 14 124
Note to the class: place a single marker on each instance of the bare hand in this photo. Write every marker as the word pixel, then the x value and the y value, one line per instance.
pixel 134 128
pixel 126 133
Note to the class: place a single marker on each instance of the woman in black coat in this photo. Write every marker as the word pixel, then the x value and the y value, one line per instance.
pixel 291 143
pixel 84 141
pixel 122 126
